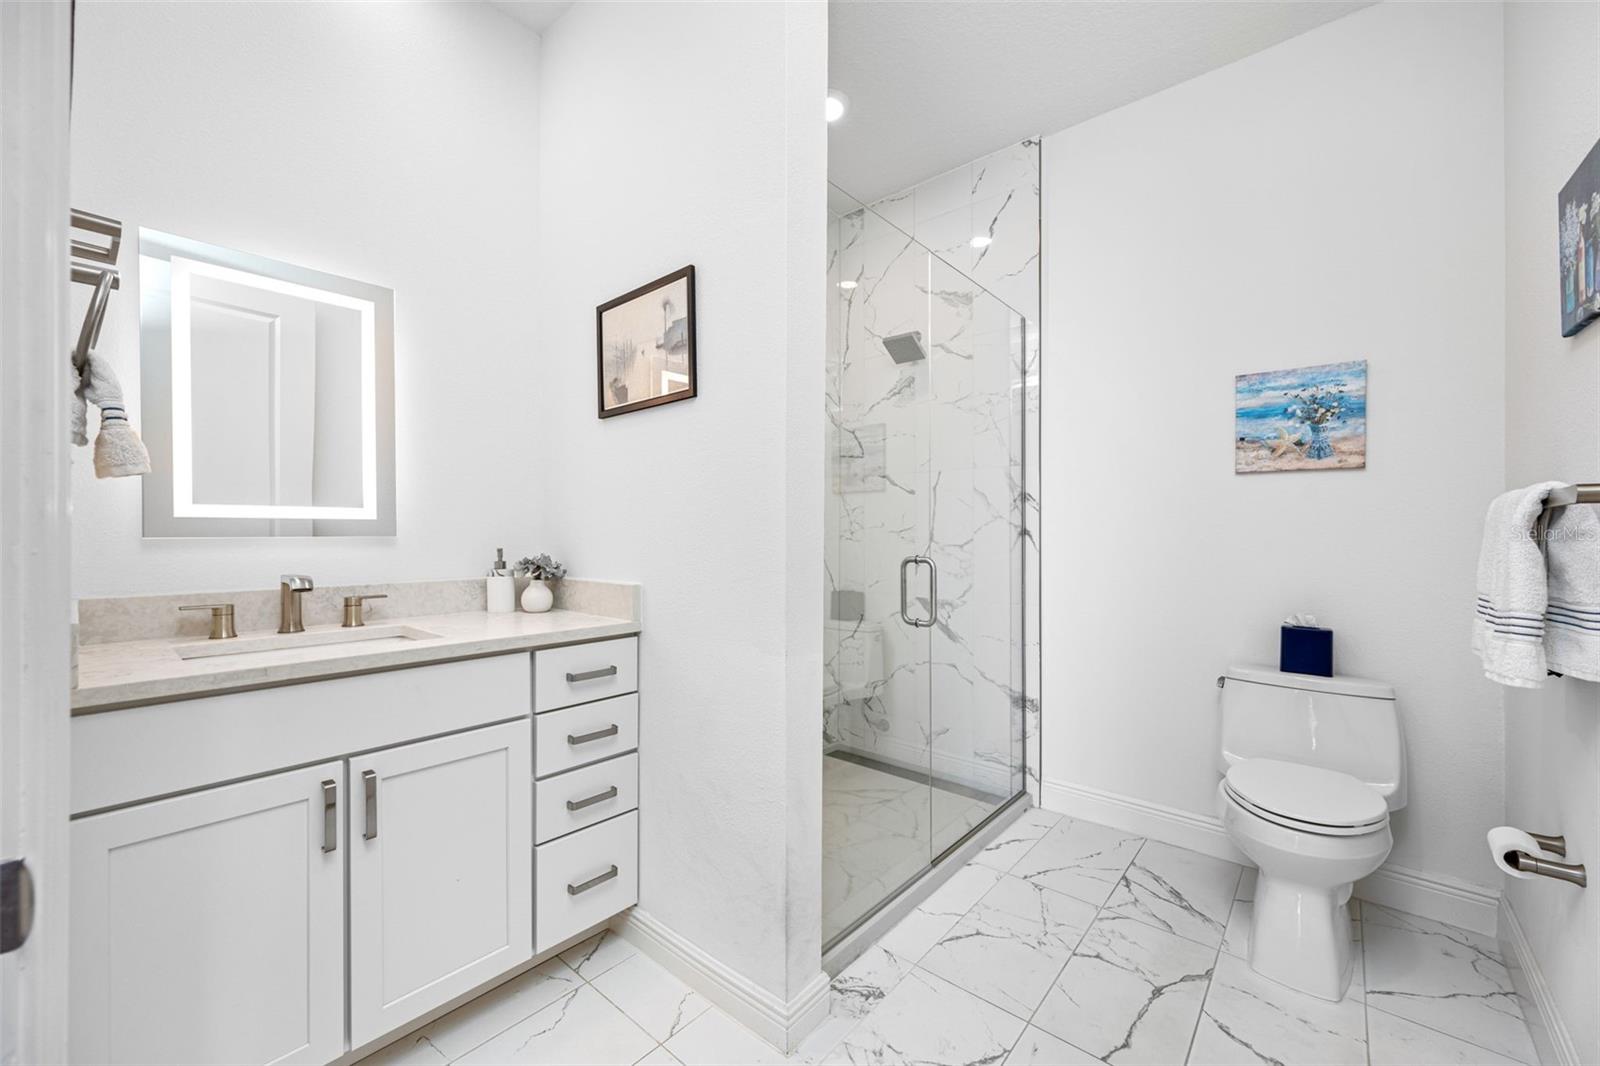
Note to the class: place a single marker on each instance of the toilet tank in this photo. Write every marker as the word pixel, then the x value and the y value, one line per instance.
pixel 856 657
pixel 1349 724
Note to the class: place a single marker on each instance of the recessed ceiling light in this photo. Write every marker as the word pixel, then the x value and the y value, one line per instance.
pixel 847 285
pixel 982 240
pixel 837 102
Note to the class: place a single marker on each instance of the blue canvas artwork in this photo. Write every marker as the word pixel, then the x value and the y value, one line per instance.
pixel 1308 418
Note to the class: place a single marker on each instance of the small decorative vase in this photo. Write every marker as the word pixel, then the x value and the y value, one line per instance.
pixel 1319 448
pixel 537 597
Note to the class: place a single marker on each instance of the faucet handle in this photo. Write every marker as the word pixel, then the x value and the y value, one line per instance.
pixel 352 608
pixel 221 618
pixel 296 582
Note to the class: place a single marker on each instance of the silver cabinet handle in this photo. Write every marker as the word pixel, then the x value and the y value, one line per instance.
pixel 330 815
pixel 369 784
pixel 599 734
pixel 598 879
pixel 592 675
pixel 598 797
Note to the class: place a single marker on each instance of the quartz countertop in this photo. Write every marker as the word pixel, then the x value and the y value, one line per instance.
pixel 135 672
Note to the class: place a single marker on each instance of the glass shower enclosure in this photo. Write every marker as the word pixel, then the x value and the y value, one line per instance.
pixel 923 702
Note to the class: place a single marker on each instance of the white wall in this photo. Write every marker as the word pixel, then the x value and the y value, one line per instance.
pixel 1552 431
pixel 1339 196
pixel 676 133
pixel 394 143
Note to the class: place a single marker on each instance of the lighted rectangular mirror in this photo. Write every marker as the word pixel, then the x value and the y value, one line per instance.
pixel 268 396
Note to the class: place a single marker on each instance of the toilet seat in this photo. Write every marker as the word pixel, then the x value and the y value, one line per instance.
pixel 1305 798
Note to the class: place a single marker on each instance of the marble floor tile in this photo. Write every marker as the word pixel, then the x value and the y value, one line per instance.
pixel 866 982
pixel 598 954
pixel 1248 1019
pixel 1017 839
pixel 1397 1042
pixel 1079 858
pixel 654 999
pixel 928 1020
pixel 1130 994
pixel 714 1039
pixel 1038 1048
pixel 917 932
pixel 1010 946
pixel 580 1029
pixel 1180 891
pixel 1445 978
pixel 964 888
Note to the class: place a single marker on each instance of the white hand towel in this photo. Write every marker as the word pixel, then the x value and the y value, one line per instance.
pixel 118 451
pixel 1508 633
pixel 1572 619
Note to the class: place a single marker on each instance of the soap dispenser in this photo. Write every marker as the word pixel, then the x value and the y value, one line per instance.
pixel 502 586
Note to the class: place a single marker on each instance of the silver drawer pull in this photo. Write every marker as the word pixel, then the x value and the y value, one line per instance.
pixel 330 816
pixel 592 675
pixel 598 797
pixel 599 879
pixel 369 781
pixel 599 734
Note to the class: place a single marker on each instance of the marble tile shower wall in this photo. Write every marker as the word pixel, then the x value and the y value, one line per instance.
pixel 928 457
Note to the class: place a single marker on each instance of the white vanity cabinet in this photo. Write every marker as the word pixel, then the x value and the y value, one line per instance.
pixel 291 874
pixel 209 927
pixel 439 873
pixel 586 820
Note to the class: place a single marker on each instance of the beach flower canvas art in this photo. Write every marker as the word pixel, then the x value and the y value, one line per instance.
pixel 1308 418
pixel 1579 222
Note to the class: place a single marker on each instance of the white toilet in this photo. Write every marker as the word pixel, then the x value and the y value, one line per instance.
pixel 1313 766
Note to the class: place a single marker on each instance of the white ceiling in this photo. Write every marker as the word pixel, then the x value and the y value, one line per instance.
pixel 933 85
pixel 535 14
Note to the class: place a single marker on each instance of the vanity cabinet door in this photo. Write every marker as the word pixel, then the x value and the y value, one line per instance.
pixel 441 893
pixel 209 927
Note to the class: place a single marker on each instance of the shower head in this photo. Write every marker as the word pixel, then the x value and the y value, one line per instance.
pixel 905 347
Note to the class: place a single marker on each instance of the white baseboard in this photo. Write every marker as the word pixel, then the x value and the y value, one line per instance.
pixel 782 1024
pixel 1550 1033
pixel 1435 896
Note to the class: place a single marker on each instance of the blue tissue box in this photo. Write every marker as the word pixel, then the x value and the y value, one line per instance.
pixel 1306 650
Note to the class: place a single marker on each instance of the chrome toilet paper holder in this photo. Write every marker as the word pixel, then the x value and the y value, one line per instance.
pixel 1561 871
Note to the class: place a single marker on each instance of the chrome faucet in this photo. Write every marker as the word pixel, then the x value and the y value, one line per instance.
pixel 290 588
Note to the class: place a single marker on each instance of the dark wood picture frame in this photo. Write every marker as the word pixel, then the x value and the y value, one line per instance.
pixel 686 274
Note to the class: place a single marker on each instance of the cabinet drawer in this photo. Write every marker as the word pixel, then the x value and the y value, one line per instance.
pixel 581 735
pixel 580 673
pixel 585 796
pixel 584 878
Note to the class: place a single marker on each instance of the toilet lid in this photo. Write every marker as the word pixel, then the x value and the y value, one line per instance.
pixel 1306 794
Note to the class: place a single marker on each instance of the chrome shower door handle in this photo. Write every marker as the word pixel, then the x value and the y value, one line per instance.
pixel 933 591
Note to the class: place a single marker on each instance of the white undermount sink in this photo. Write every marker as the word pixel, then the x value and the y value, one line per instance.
pixel 207 649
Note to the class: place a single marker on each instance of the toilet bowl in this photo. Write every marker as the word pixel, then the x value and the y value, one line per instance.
pixel 1300 923
pixel 1312 769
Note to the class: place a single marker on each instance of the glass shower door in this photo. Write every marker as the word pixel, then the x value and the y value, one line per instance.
pixel 974 456
pixel 922 719
pixel 877 817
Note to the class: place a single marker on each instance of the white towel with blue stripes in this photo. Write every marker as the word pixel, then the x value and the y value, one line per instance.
pixel 1508 633
pixel 1572 615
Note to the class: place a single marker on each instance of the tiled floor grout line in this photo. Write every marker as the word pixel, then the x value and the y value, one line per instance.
pixel 1216 961
pixel 1081 937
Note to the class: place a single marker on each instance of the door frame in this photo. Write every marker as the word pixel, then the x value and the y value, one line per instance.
pixel 35 520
